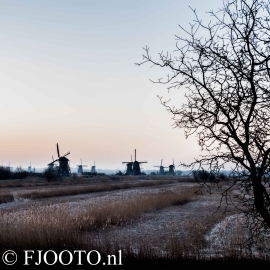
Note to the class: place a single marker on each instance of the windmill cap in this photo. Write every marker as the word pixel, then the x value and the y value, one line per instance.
pixel 63 159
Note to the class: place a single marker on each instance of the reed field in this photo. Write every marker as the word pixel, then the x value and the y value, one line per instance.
pixel 152 221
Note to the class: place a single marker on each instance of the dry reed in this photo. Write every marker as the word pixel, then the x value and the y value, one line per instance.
pixel 93 187
pixel 4 198
pixel 57 227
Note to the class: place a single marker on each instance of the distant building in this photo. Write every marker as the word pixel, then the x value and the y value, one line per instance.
pixel 93 169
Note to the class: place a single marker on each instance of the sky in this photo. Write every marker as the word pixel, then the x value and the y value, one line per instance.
pixel 68 76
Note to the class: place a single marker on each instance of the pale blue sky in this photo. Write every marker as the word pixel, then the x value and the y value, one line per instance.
pixel 67 75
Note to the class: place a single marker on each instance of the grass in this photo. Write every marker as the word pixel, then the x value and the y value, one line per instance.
pixel 58 228
pixel 90 188
pixel 98 226
pixel 119 212
pixel 4 198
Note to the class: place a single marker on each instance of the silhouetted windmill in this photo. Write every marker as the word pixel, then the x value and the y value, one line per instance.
pixel 8 167
pixel 51 165
pixel 136 166
pixel 29 168
pixel 80 167
pixel 171 169
pixel 129 166
pixel 63 169
pixel 93 168
pixel 161 168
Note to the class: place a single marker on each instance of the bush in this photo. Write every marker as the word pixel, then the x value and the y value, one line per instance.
pixel 119 173
pixel 222 176
pixel 201 175
pixel 21 173
pixel 50 174
pixel 212 177
pixel 4 198
pixel 90 174
pixel 5 173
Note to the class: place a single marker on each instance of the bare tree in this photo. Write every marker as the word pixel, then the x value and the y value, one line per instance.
pixel 224 64
pixel 21 173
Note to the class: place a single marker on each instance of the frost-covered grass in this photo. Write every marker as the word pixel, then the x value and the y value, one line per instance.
pixel 60 227
pixel 90 188
pixel 168 222
pixel 4 198
pixel 40 190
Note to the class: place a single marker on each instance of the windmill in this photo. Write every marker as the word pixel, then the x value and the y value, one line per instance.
pixel 8 167
pixel 171 169
pixel 129 166
pixel 51 165
pixel 29 168
pixel 63 169
pixel 93 168
pixel 80 167
pixel 161 168
pixel 136 166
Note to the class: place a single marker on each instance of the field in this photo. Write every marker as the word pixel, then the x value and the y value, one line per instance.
pixel 152 220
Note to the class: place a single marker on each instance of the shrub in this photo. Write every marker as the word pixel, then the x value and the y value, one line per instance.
pixel 201 175
pixel 119 173
pixel 50 174
pixel 21 173
pixel 5 173
pixel 212 177
pixel 222 176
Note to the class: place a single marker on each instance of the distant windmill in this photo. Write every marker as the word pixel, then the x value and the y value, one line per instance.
pixel 29 168
pixel 63 169
pixel 51 165
pixel 80 167
pixel 93 168
pixel 161 168
pixel 171 169
pixel 8 167
pixel 136 166
pixel 129 170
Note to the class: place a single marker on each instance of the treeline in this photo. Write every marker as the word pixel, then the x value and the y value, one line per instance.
pixel 6 173
pixel 203 175
pixel 19 173
pixel 49 174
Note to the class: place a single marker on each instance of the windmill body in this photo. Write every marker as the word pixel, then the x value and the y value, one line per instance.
pixel 133 168
pixel 161 168
pixel 93 168
pixel 51 165
pixel 129 170
pixel 29 168
pixel 63 168
pixel 136 168
pixel 80 168
pixel 171 169
pixel 8 167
